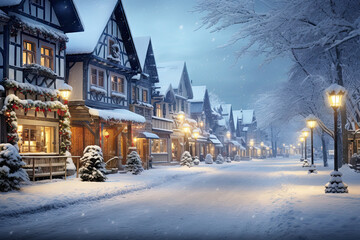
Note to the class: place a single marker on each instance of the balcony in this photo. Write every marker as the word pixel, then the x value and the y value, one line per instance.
pixel 162 124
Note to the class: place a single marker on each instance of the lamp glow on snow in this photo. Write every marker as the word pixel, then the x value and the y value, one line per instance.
pixel 335 95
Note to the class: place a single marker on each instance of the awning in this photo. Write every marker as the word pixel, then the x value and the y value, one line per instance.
pixel 148 135
pixel 242 147
pixel 215 141
pixel 117 115
pixel 235 143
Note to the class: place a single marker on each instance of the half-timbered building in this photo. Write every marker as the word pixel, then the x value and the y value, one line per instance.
pixel 101 63
pixel 175 83
pixel 32 68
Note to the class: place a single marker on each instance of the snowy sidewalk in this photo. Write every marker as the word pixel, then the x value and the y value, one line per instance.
pixel 46 195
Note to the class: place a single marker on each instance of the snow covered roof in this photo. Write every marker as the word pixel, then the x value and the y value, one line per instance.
pixel 245 129
pixel 4 3
pixel 198 93
pixel 148 135
pixel 117 115
pixel 226 109
pixel 196 107
pixel 169 74
pixel 247 116
pixel 237 115
pixel 94 16
pixel 142 45
pixel 222 122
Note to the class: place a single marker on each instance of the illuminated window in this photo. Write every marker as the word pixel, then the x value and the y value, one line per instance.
pixel 28 52
pixel 114 83
pixel 158 110
pixel 47 57
pixel 159 145
pixel 144 95
pixel 121 83
pixel 37 139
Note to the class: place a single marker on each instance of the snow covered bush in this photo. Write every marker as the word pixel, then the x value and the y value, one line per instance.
pixel 336 185
pixel 93 169
pixel 306 163
pixel 219 159
pixel 70 166
pixel 196 161
pixel 133 163
pixel 209 159
pixel 228 160
pixel 237 158
pixel 11 171
pixel 186 159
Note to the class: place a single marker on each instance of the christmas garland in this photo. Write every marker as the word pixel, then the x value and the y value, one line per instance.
pixel 13 103
pixel 26 88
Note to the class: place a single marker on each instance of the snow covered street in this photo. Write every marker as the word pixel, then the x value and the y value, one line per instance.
pixel 270 198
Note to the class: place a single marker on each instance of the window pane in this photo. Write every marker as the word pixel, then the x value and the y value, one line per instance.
pixel 42 61
pixel 114 85
pixel 38 139
pixel 42 50
pixel 101 78
pixel 93 76
pixel 24 57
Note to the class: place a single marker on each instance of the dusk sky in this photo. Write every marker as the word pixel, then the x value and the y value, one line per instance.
pixel 172 28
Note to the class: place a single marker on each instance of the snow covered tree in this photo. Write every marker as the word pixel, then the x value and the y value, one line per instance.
pixel 11 171
pixel 237 158
pixel 219 159
pixel 228 160
pixel 186 159
pixel 70 166
pixel 93 169
pixel 209 159
pixel 321 37
pixel 134 163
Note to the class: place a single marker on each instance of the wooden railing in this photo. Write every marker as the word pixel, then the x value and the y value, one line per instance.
pixel 162 124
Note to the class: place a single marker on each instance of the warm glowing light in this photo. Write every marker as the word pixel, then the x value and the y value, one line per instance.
pixel 262 144
pixel 305 132
pixel 228 134
pixel 302 139
pixel 186 128
pixel 335 95
pixel 181 116
pixel 196 133
pixel 65 94
pixel 283 144
pixel 106 134
pixel 201 123
pixel 311 123
pixel 251 142
pixel 135 140
pixel 20 128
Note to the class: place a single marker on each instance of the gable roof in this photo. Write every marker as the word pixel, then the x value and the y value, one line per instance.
pixel 198 94
pixel 142 46
pixel 94 15
pixel 248 116
pixel 226 109
pixel 237 115
pixel 169 74
pixel 65 11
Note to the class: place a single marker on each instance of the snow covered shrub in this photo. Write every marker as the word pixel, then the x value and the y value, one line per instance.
pixel 228 160
pixel 237 158
pixel 93 169
pixel 219 159
pixel 209 159
pixel 196 161
pixel 133 163
pixel 11 173
pixel 336 185
pixel 186 159
pixel 306 163
pixel 70 166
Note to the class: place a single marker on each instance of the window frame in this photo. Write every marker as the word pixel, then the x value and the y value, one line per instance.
pixel 145 93
pixel 97 77
pixel 51 58
pixel 28 51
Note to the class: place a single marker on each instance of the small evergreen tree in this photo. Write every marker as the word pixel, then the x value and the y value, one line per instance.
pixel 93 169
pixel 219 159
pixel 228 160
pixel 186 159
pixel 237 158
pixel 133 163
pixel 196 161
pixel 209 159
pixel 11 173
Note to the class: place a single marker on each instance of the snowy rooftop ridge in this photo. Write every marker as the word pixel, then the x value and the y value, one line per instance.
pixel 169 74
pixel 335 88
pixel 142 46
pixel 237 115
pixel 198 93
pixel 247 116
pixel 4 3
pixel 226 109
pixel 93 22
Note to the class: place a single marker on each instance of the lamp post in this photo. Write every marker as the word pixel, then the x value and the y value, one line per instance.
pixel 311 122
pixel 335 95
pixel 186 130
pixel 228 136
pixel 65 91
pixel 305 133
pixel 262 148
pixel 302 139
pixel 196 133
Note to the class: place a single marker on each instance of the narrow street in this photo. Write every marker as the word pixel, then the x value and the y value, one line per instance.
pixel 272 198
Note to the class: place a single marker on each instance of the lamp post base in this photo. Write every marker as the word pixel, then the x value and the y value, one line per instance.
pixel 301 159
pixel 312 169
pixel 306 163
pixel 336 185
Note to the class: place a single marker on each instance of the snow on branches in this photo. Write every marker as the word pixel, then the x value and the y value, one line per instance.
pixel 11 171
pixel 219 159
pixel 186 159
pixel 209 159
pixel 134 163
pixel 93 169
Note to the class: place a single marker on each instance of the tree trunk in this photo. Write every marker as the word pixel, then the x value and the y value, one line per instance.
pixel 324 149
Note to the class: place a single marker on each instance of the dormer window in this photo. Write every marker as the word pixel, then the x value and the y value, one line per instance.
pixel 29 52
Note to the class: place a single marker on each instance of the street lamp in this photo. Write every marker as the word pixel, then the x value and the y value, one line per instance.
pixel 311 122
pixel 181 116
pixel 228 136
pixel 302 139
pixel 335 95
pixel 65 91
pixel 305 133
pixel 186 130
pixel 196 133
